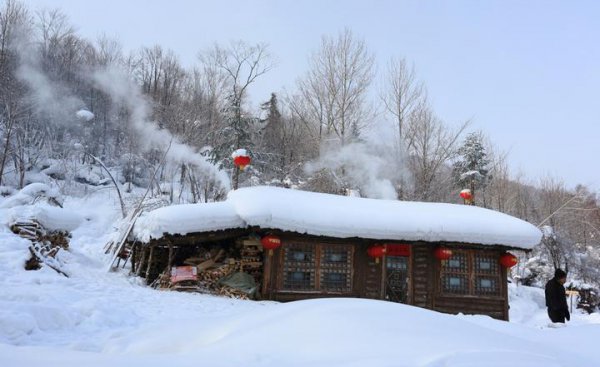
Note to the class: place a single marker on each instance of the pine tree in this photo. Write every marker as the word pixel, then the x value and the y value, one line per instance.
pixel 472 169
pixel 272 152
pixel 236 134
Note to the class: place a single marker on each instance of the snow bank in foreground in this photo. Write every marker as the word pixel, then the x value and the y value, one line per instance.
pixel 341 216
pixel 325 332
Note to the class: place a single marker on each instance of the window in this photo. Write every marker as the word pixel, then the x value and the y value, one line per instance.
pixel 487 274
pixel 456 274
pixel 299 267
pixel 317 267
pixel 336 268
pixel 471 272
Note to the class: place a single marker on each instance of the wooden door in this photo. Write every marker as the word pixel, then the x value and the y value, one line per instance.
pixel 397 278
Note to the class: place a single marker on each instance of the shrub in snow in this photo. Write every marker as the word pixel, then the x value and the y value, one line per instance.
pixel 135 169
pixel 84 115
pixel 7 191
pixel 33 193
pixel 91 175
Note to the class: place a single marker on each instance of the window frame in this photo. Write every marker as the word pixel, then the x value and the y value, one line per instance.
pixel 320 267
pixel 473 274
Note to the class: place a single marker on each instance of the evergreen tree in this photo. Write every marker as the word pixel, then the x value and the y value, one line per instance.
pixel 236 134
pixel 472 169
pixel 272 147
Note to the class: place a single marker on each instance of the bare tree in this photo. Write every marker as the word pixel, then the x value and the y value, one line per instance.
pixel 401 93
pixel 14 20
pixel 241 64
pixel 430 145
pixel 333 95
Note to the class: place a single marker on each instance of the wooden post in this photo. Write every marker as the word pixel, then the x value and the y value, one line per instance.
pixel 142 261
pixel 149 263
pixel 236 177
pixel 267 274
pixel 133 255
pixel 170 262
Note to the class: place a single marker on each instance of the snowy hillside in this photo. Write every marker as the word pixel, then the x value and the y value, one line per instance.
pixel 94 318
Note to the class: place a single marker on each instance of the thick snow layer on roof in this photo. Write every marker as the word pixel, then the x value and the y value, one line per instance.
pixel 342 217
pixel 187 218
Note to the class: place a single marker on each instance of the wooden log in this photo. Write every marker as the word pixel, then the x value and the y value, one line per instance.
pixel 142 261
pixel 170 261
pixel 150 258
pixel 133 256
pixel 205 265
pixel 194 260
pixel 41 259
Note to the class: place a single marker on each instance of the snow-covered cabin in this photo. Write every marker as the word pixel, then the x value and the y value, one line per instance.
pixel 331 246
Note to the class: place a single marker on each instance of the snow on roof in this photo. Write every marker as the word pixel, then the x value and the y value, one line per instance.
pixel 342 217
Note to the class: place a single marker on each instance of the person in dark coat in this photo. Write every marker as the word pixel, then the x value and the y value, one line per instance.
pixel 556 299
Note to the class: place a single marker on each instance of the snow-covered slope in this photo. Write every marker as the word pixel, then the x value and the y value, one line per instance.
pixel 341 216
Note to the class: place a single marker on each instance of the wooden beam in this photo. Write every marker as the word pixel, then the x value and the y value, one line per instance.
pixel 150 259
pixel 142 260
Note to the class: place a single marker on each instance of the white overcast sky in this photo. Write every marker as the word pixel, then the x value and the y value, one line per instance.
pixel 527 72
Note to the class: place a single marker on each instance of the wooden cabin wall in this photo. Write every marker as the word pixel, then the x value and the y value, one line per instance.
pixel 495 307
pixel 366 274
pixel 372 273
pixel 422 275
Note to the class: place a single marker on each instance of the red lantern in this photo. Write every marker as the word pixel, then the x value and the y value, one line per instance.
pixel 270 242
pixel 466 195
pixel 241 161
pixel 442 253
pixel 508 260
pixel 376 251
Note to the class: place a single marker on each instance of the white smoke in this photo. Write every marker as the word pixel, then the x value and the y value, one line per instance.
pixel 118 85
pixel 54 101
pixel 361 167
pixel 51 99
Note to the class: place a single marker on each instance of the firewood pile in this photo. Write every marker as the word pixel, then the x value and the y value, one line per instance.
pixel 210 267
pixel 45 245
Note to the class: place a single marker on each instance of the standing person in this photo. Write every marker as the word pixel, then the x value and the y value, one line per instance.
pixel 556 298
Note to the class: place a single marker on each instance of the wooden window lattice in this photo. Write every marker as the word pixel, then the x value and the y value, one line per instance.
pixel 455 274
pixel 321 267
pixel 336 268
pixel 470 272
pixel 486 275
pixel 299 267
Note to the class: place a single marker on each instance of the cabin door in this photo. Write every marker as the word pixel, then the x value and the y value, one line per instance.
pixel 396 282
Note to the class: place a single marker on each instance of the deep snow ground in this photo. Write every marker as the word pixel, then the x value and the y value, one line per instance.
pixel 96 318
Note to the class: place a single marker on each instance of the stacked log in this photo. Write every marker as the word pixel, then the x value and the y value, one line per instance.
pixel 251 259
pixel 45 245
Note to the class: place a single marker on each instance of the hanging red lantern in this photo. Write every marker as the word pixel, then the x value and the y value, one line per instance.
pixel 270 242
pixel 376 252
pixel 442 253
pixel 241 158
pixel 508 260
pixel 467 195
